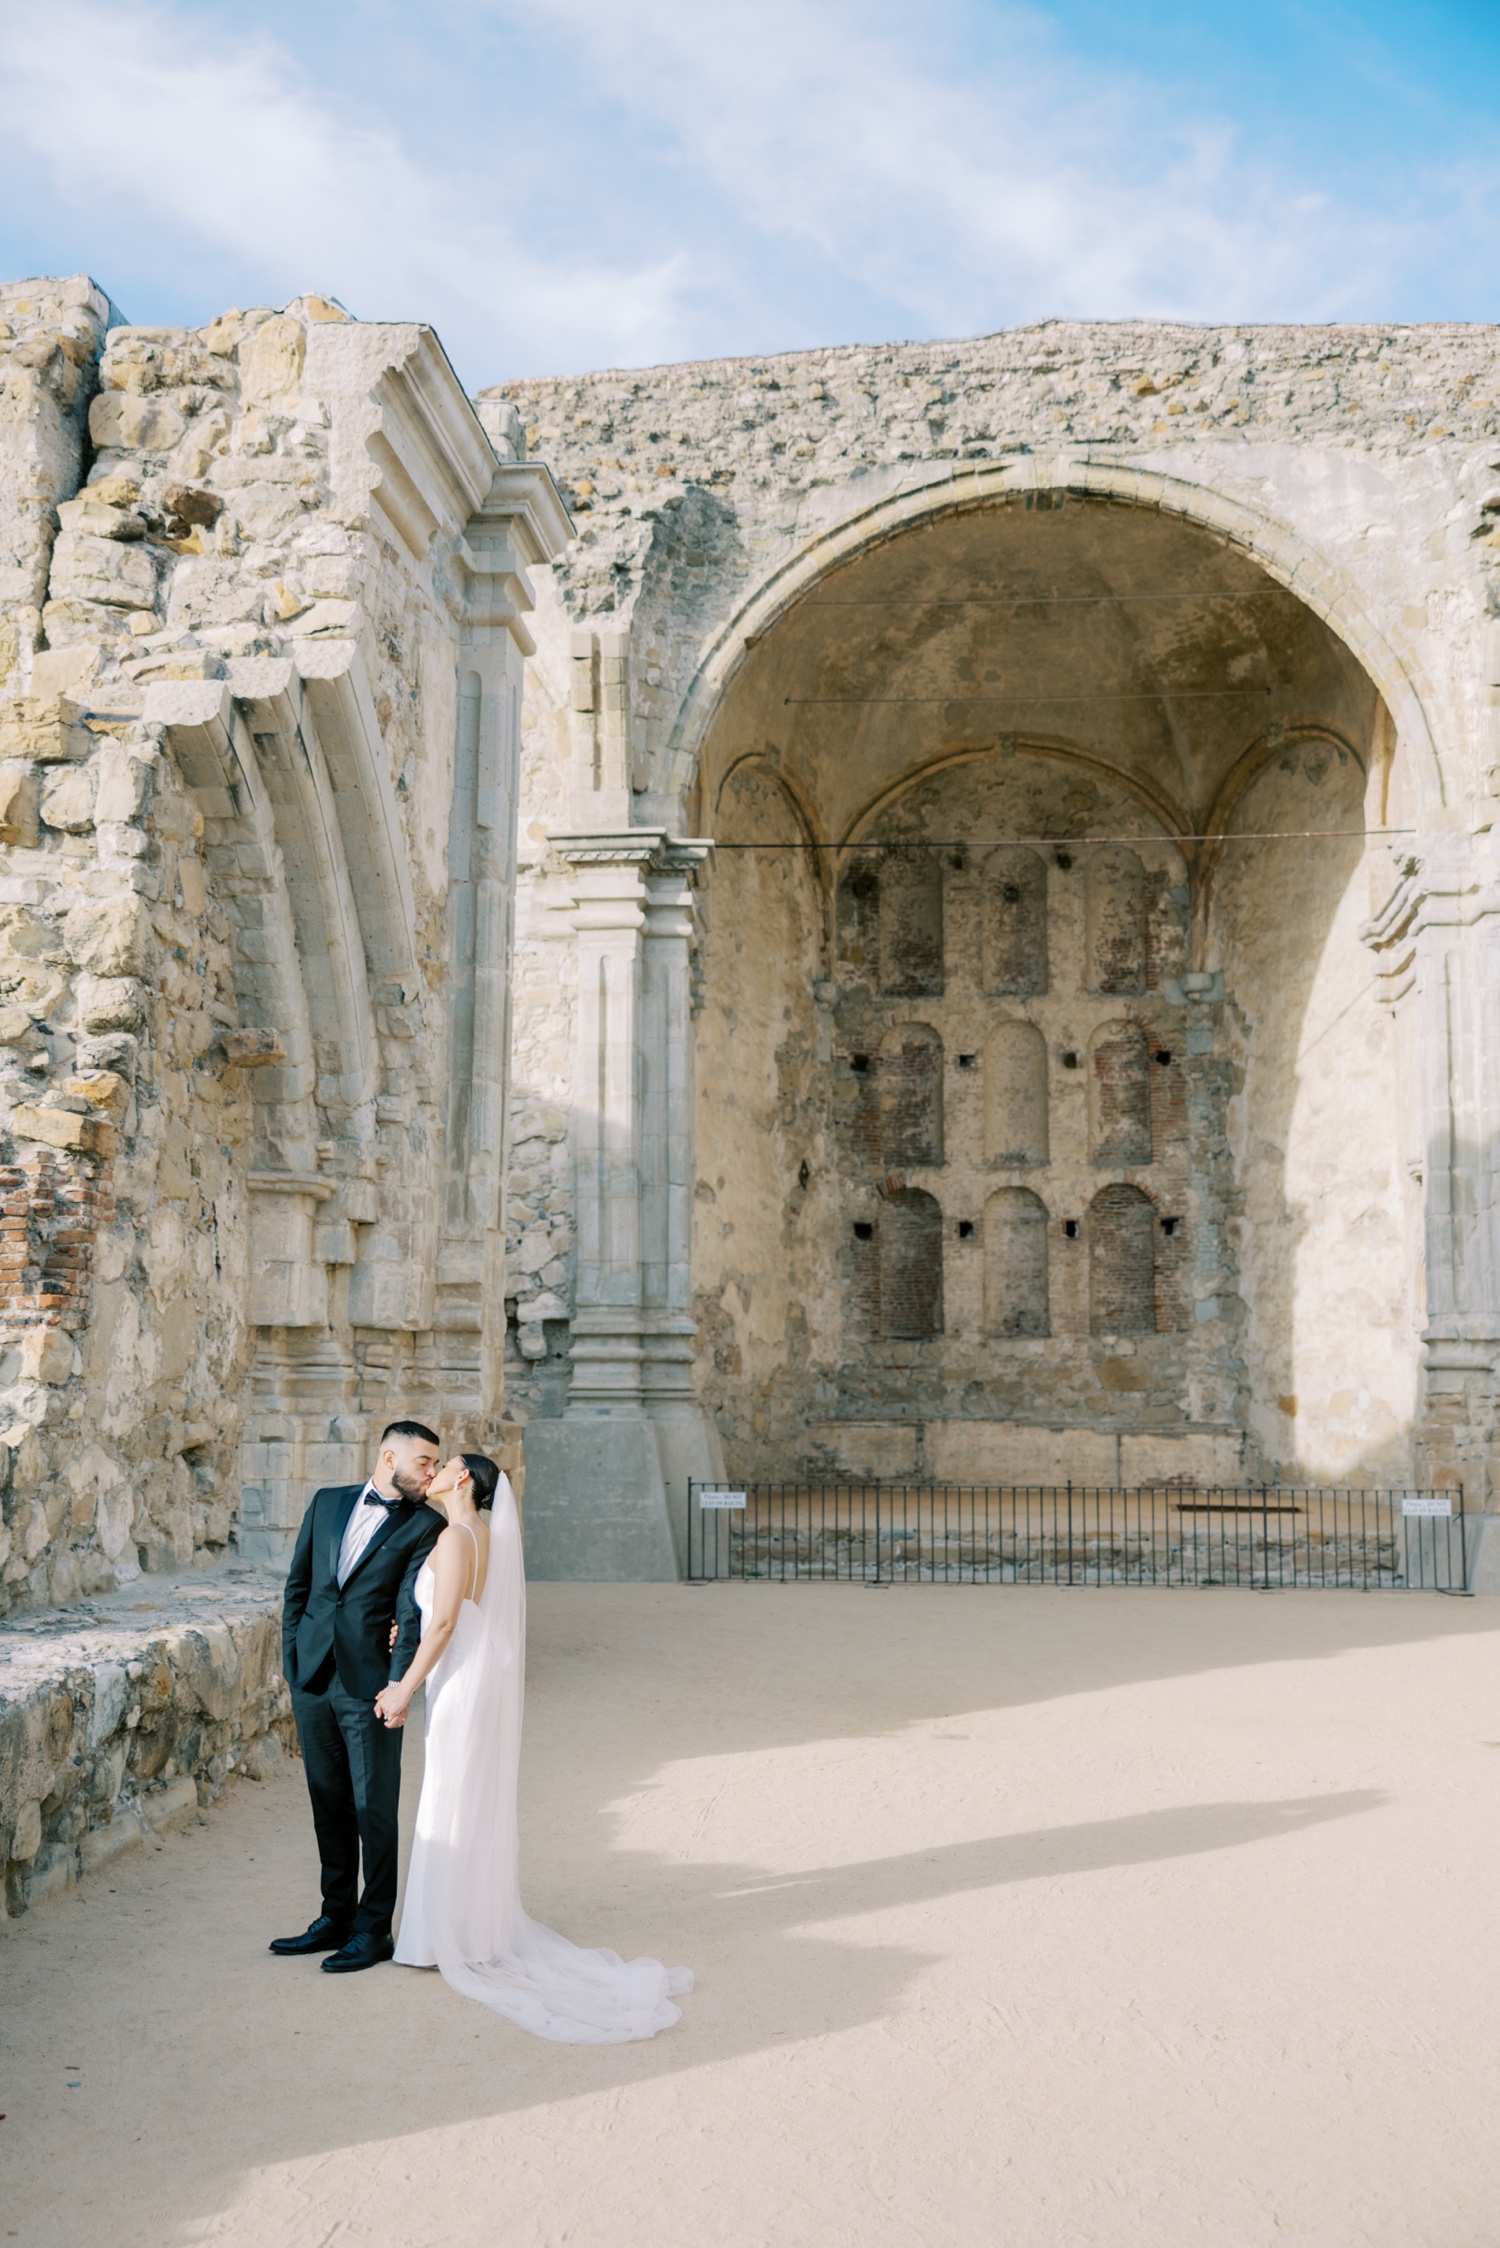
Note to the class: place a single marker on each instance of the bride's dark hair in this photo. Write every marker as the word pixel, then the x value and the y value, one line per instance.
pixel 486 1478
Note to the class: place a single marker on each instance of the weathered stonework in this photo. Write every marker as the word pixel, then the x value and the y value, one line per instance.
pixel 260 669
pixel 121 1716
pixel 1005 919
pixel 1222 599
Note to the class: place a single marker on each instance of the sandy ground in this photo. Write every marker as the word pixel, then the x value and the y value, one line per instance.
pixel 1019 1916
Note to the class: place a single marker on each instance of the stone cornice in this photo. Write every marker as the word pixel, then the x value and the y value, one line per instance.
pixel 650 848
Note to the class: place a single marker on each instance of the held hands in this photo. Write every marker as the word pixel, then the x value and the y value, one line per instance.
pixel 391 1705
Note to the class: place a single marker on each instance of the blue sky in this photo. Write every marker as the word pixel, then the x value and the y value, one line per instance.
pixel 575 183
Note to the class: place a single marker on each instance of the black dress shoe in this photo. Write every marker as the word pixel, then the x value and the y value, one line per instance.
pixel 364 1950
pixel 323 1935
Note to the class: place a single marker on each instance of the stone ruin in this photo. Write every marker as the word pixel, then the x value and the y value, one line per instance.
pixel 925 911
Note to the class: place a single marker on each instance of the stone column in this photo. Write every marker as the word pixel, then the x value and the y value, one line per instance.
pixel 1439 935
pixel 607 1484
pixel 687 1440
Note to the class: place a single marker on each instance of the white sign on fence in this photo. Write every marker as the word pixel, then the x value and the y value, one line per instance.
pixel 721 1498
pixel 1427 1506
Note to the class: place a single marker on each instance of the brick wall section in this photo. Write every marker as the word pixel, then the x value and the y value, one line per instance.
pixel 911 1096
pixel 51 1210
pixel 1120 1096
pixel 1122 1262
pixel 910 1234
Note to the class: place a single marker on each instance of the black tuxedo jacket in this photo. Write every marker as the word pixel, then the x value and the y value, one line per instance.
pixel 354 1624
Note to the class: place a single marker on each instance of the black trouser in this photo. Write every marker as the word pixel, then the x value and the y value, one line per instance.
pixel 353 1766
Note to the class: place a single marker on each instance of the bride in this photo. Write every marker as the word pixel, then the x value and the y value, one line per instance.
pixel 463 1909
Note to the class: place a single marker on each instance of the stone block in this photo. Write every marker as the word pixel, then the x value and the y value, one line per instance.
pixel 124 786
pixel 54 1870
pixel 67 802
pixel 85 568
pixel 110 1002
pixel 109 937
pixel 252 1049
pixel 47 1354
pixel 20 798
pixel 47 729
pixel 168 1806
pixel 596 1507
pixel 59 1127
pixel 102 1845
pixel 128 421
pixel 271 361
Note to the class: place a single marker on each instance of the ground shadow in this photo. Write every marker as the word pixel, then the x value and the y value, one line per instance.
pixel 202 2060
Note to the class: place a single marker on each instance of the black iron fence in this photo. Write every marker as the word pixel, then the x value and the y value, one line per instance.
pixel 1268 1538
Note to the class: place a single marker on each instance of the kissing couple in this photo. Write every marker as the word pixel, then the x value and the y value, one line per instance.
pixel 416 1577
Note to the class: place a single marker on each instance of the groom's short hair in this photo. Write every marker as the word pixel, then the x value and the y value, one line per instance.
pixel 418 1429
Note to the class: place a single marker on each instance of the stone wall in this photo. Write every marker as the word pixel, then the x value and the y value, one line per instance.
pixel 122 1715
pixel 1252 585
pixel 259 711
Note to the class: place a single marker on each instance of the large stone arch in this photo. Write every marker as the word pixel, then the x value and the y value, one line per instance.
pixel 880 722
pixel 1278 549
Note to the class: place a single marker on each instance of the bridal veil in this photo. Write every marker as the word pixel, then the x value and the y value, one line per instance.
pixel 463 1909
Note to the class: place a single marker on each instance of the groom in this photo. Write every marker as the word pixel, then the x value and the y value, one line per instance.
pixel 352 1574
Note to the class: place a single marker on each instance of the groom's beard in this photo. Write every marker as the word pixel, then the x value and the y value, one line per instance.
pixel 410 1489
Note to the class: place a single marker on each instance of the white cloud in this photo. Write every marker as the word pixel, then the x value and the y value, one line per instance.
pixel 705 175
pixel 212 139
pixel 975 188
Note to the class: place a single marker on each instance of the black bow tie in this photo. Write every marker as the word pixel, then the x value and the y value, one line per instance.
pixel 373 1498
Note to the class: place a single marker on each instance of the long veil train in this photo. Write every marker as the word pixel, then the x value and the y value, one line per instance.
pixel 463 1910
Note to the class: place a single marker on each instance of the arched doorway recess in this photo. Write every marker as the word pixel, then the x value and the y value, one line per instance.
pixel 1044 703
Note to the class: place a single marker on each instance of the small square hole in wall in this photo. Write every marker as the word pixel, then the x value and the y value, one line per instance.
pixel 859 1063
pixel 1162 1058
pixel 863 1231
pixel 966 1229
pixel 1064 859
pixel 1169 1226
pixel 1070 1228
pixel 1070 1061
pixel 967 1061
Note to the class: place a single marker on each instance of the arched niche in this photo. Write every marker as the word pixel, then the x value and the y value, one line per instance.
pixel 910 1241
pixel 1015 1095
pixel 911 924
pixel 1015 1264
pixel 1122 1262
pixel 1013 934
pixel 1116 922
pixel 1119 1096
pixel 910 1086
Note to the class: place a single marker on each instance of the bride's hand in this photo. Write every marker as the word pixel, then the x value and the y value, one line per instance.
pixel 391 1706
pixel 392 1640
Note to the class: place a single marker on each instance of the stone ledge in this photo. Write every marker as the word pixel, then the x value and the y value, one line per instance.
pixel 121 1715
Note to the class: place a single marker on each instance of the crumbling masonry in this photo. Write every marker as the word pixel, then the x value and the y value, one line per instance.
pixel 999 844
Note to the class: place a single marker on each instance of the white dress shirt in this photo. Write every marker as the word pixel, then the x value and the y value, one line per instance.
pixel 358 1531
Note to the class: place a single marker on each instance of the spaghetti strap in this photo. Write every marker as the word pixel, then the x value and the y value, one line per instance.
pixel 473 1581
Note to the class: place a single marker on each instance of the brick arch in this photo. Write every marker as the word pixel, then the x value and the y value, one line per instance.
pixel 1119 1096
pixel 1271 543
pixel 909 1239
pixel 1122 1262
pixel 910 1091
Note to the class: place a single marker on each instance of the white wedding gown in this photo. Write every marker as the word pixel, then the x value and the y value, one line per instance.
pixel 463 1909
